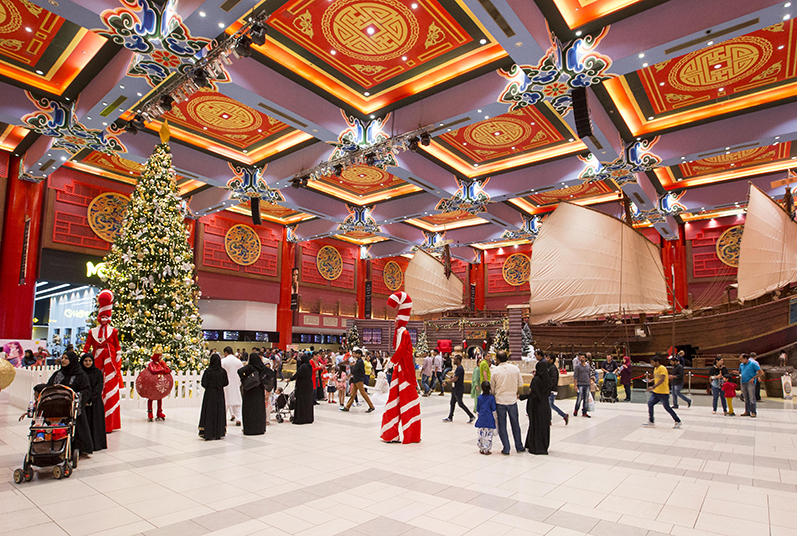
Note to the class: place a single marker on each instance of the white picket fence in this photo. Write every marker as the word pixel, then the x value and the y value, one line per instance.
pixel 187 391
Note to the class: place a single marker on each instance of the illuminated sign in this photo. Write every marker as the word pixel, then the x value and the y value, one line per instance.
pixel 76 313
pixel 95 269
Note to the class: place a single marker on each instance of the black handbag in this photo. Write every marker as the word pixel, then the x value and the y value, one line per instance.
pixel 251 381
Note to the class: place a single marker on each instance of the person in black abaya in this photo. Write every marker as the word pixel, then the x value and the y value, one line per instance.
pixel 305 394
pixel 71 375
pixel 95 409
pixel 538 409
pixel 213 418
pixel 254 399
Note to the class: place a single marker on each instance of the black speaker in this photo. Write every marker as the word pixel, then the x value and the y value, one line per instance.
pixel 255 205
pixel 581 112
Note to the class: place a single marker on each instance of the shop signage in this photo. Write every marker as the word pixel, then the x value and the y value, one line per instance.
pixel 76 313
pixel 97 270
pixel 367 312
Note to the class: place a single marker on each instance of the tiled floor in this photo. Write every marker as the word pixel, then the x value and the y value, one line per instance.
pixel 606 476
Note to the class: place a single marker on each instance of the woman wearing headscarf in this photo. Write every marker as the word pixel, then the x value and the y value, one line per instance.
pixel 625 377
pixel 71 375
pixel 254 399
pixel 213 418
pixel 95 409
pixel 539 411
pixel 304 392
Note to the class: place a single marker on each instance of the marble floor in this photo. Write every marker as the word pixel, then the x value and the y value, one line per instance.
pixel 605 476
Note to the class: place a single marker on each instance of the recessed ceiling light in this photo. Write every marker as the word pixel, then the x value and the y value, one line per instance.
pixel 722 89
pixel 89 118
pixel 139 94
pixel 121 86
pixel 487 117
pixel 786 16
pixel 578 33
pixel 39 72
pixel 571 139
pixel 661 83
pixel 787 4
pixel 201 13
pixel 641 55
pixel 403 58
pixel 644 65
pixel 478 111
pixel 221 25
pixel 717 66
pixel 483 41
pixel 650 118
pixel 780 47
pixel 105 104
pixel 28 29
pixel 448 130
pixel 104 124
pixel 710 43
pixel 414 5
pixel 777 137
pixel 372 116
pixel 63 159
pixel 367 94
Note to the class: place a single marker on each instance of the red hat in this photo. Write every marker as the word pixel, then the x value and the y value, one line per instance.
pixel 105 299
pixel 403 302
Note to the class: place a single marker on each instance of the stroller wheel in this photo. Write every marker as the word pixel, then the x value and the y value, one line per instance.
pixel 67 470
pixel 291 418
pixel 75 457
pixel 58 472
pixel 27 473
pixel 19 476
pixel 279 418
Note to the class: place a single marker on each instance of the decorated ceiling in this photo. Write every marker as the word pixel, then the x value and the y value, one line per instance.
pixel 687 102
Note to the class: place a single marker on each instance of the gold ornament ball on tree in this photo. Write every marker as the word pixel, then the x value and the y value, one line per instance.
pixel 7 374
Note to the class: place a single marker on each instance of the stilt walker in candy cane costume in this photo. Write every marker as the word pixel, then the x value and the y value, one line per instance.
pixel 401 421
pixel 103 342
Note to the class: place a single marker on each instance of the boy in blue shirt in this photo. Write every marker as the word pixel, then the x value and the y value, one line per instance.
pixel 750 372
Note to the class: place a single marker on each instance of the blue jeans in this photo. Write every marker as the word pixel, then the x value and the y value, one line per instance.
pixel 748 389
pixel 511 410
pixel 676 393
pixel 716 392
pixel 425 383
pixel 664 398
pixel 551 400
pixel 582 396
pixel 443 377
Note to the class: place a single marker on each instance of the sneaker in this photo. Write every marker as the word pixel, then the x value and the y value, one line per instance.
pixel 688 404
pixel 448 419
pixel 648 424
pixel 731 414
pixel 745 414
pixel 343 409
pixel 752 415
pixel 674 407
pixel 677 425
pixel 587 415
pixel 575 413
pixel 504 453
pixel 567 419
pixel 442 394
pixel 470 421
pixel 369 410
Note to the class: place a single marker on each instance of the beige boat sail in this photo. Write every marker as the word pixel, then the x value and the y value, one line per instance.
pixel 586 264
pixel 426 283
pixel 768 250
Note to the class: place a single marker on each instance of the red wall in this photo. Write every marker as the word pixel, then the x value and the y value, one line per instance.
pixel 229 287
pixel 215 256
pixel 309 271
pixel 707 274
pixel 378 283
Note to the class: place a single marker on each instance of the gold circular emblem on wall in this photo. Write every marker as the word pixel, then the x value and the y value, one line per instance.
pixel 516 269
pixel 242 245
pixel 223 114
pixel 375 31
pixel 392 276
pixel 10 19
pixel 329 263
pixel 497 133
pixel 728 246
pixel 736 58
pixel 106 213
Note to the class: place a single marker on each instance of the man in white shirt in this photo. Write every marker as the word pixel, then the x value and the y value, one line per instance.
pixel 232 393
pixel 505 380
pixel 437 373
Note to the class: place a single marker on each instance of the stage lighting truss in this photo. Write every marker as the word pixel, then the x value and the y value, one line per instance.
pixel 372 155
pixel 209 67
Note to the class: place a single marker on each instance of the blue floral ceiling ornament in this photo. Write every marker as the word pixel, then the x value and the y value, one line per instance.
pixel 668 203
pixel 636 158
pixel 359 135
pixel 528 231
pixel 470 197
pixel 55 120
pixel 566 66
pixel 290 231
pixel 433 242
pixel 359 220
pixel 160 39
pixel 248 183
pixel 365 253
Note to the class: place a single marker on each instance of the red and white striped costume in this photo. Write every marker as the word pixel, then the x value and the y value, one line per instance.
pixel 104 340
pixel 402 418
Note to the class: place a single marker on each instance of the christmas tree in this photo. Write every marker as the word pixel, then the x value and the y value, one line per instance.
pixel 502 338
pixel 422 345
pixel 150 271
pixel 353 337
pixel 527 340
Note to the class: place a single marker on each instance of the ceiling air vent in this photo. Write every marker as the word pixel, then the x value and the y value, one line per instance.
pixel 712 36
pixel 229 4
pixel 499 19
pixel 274 111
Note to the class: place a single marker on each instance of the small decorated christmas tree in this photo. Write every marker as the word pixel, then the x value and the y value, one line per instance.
pixel 422 345
pixel 150 270
pixel 527 340
pixel 353 337
pixel 502 338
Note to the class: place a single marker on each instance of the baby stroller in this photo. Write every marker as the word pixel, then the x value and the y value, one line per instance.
pixel 51 434
pixel 283 407
pixel 609 388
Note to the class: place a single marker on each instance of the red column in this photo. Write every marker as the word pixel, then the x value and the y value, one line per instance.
pixel 284 313
pixel 23 201
pixel 360 287
pixel 673 258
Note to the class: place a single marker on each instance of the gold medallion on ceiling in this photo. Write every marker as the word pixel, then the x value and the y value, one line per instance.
pixel 497 133
pixel 363 176
pixel 392 276
pixel 329 263
pixel 376 30
pixel 242 245
pixel 223 114
pixel 720 65
pixel 728 246
pixel 10 19
pixel 516 269
pixel 105 215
